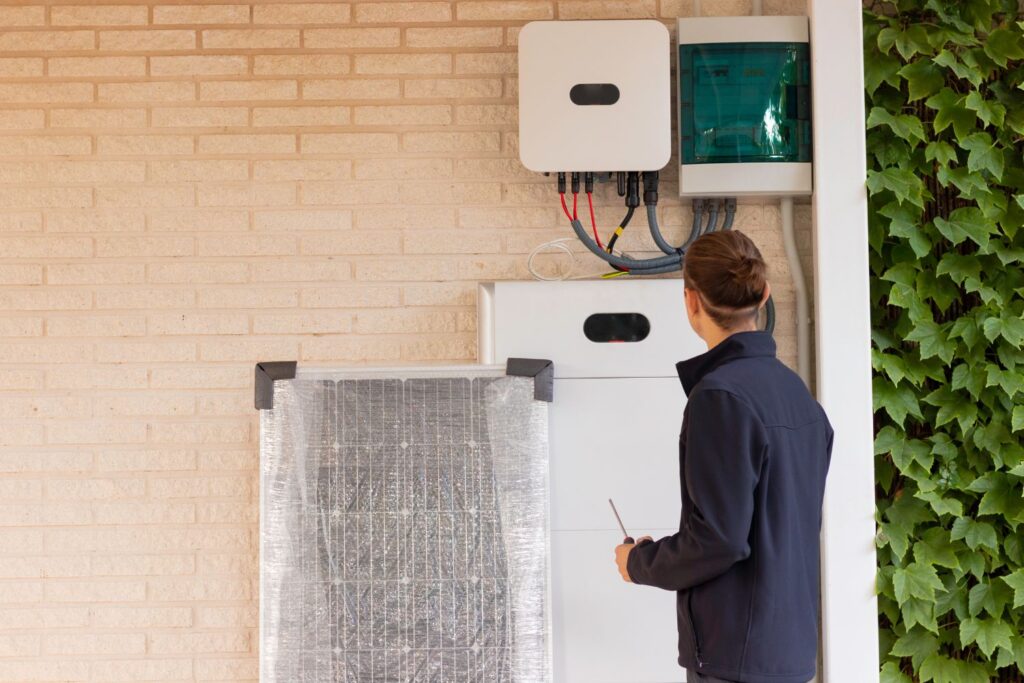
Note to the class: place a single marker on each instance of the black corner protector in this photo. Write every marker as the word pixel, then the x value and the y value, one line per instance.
pixel 266 374
pixel 542 371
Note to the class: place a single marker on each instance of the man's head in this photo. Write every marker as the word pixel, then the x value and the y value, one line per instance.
pixel 726 282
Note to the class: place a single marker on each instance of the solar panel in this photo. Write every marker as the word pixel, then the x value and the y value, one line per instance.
pixel 404 530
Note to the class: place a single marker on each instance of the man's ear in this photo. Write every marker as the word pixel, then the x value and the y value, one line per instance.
pixel 767 293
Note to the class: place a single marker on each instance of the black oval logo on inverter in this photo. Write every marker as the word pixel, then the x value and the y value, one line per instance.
pixel 594 93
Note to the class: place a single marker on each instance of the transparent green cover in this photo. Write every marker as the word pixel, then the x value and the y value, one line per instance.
pixel 744 102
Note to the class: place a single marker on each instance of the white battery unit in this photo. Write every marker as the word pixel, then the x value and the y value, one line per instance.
pixel 614 433
pixel 744 101
pixel 594 96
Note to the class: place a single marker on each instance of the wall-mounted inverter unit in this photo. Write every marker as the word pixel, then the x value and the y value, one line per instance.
pixel 615 425
pixel 594 96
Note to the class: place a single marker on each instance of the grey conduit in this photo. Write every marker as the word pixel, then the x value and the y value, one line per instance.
pixel 730 213
pixel 645 267
pixel 712 219
pixel 659 239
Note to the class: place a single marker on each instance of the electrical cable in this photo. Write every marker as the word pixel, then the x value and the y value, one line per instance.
pixel 769 315
pixel 593 220
pixel 561 244
pixel 564 207
pixel 646 265
pixel 623 224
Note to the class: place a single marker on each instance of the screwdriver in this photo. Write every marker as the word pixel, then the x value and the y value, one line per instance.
pixel 628 539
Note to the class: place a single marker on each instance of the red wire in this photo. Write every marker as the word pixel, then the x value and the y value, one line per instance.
pixel 593 221
pixel 575 216
pixel 564 207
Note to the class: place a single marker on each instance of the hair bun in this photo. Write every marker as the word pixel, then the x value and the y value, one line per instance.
pixel 728 271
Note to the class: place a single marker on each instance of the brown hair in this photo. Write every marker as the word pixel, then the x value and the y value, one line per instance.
pixel 728 272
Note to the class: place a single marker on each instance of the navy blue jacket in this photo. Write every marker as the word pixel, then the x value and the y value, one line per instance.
pixel 753 455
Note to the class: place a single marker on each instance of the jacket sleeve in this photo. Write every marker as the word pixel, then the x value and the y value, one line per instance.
pixel 724 449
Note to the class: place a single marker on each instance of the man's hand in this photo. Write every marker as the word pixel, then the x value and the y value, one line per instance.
pixel 622 556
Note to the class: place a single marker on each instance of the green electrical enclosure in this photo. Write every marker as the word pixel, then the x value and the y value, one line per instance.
pixel 744 95
pixel 744 103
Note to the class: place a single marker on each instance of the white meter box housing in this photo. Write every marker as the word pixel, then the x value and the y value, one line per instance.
pixel 744 101
pixel 594 96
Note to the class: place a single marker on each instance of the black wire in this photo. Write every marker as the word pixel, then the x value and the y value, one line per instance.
pixel 769 311
pixel 623 224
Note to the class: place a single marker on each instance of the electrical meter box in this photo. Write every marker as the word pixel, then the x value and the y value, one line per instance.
pixel 744 106
pixel 594 96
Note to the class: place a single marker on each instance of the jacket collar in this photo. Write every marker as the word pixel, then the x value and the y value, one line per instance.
pixel 739 345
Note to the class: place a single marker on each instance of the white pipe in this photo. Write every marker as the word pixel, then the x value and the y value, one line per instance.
pixel 696 8
pixel 756 9
pixel 803 328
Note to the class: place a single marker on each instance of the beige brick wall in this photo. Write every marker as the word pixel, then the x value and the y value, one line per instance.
pixel 186 189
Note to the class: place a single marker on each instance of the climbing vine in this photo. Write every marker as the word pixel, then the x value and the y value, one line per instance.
pixel 945 102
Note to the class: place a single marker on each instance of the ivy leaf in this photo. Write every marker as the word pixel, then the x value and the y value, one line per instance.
pixel 1002 45
pixel 916 581
pixel 897 401
pixel 935 549
pixel 905 126
pixel 968 377
pixel 940 669
pixel 1016 582
pixel 987 633
pixel 1010 382
pixel 951 407
pixel 990 112
pixel 923 78
pixel 916 611
pixel 942 505
pixel 1014 656
pixel 880 68
pixel 976 534
pixel 966 328
pixel 891 674
pixel 969 184
pixel 918 644
pixel 963 223
pixel 959 267
pixel 908 43
pixel 905 185
pixel 983 154
pixel 905 222
pixel 948 59
pixel 950 110
pixel 1008 325
pixel 893 366
pixel 939 151
pixel 972 672
pixel 933 341
pixel 992 597
pixel 1017 420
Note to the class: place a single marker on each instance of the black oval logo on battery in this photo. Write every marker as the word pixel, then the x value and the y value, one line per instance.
pixel 607 328
pixel 594 93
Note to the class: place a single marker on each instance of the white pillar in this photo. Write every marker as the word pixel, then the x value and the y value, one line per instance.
pixel 843 328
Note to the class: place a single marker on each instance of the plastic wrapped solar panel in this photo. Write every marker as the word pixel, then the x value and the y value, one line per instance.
pixel 404 529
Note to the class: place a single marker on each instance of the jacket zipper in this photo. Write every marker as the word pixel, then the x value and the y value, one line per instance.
pixel 693 630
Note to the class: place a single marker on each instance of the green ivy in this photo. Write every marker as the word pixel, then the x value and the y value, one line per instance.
pixel 945 102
